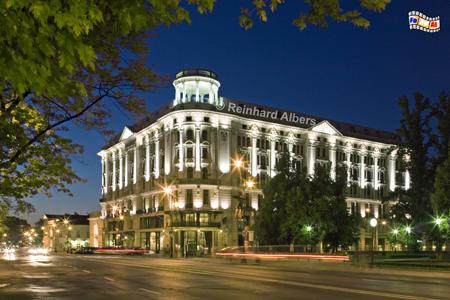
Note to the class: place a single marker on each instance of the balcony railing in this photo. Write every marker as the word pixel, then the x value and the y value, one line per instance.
pixel 195 224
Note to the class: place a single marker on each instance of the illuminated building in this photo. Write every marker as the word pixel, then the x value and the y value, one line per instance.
pixel 189 180
pixel 61 232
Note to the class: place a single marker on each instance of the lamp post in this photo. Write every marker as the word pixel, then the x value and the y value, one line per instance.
pixel 308 231
pixel 373 224
pixel 438 221
pixel 168 191
pixel 395 233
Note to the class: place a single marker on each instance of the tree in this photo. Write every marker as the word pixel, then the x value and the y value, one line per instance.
pixel 440 198
pixel 15 228
pixel 298 209
pixel 441 112
pixel 414 154
pixel 338 228
pixel 69 61
pixel 321 11
pixel 423 149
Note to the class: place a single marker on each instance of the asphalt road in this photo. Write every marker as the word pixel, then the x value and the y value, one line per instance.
pixel 122 277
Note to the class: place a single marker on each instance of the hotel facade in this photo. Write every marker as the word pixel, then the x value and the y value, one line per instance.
pixel 189 180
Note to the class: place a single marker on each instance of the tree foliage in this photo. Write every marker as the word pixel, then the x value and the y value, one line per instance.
pixel 298 209
pixel 423 151
pixel 69 61
pixel 319 14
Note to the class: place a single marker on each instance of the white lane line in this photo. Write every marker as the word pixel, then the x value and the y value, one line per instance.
pixel 108 278
pixel 2 285
pixel 86 271
pixel 151 292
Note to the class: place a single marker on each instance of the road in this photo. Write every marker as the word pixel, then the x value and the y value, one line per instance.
pixel 123 277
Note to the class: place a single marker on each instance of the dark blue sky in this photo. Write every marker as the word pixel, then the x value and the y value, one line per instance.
pixel 341 72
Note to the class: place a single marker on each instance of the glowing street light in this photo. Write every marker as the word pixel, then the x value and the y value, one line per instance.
pixel 66 221
pixel 438 221
pixel 250 184
pixel 121 217
pixel 238 163
pixel 167 190
pixel 308 228
pixel 395 231
pixel 408 229
pixel 373 222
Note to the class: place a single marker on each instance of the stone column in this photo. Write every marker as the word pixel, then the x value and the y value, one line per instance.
pixel 157 155
pixel 103 174
pixel 135 157
pixel 147 158
pixel 197 149
pixel 197 92
pixel 273 156
pixel 311 154
pixel 349 165
pixel 114 179
pixel 126 167
pixel 120 169
pixel 106 173
pixel 181 151
pixel 253 161
pixel 210 94
pixel 333 160
pixel 184 92
pixel 375 172
pixel 362 168
pixel 392 158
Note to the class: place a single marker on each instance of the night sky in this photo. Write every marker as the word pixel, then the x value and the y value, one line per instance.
pixel 341 72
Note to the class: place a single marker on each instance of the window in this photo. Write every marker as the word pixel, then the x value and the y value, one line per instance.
pixel 190 134
pixel 206 119
pixel 204 153
pixel 205 197
pixel 204 173
pixel 204 135
pixel 189 152
pixel 244 126
pixel 189 119
pixel 204 219
pixel 189 199
pixel 190 172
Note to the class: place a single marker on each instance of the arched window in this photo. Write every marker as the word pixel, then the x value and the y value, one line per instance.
pixel 190 134
pixel 206 98
pixel 204 135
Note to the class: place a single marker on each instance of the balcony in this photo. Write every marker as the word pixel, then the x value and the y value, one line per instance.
pixel 195 224
pixel 198 181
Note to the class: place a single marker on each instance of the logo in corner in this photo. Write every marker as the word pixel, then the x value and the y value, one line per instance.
pixel 419 21
pixel 220 105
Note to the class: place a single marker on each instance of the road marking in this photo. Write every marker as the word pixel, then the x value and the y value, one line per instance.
pixel 86 271
pixel 151 292
pixel 285 282
pixel 2 285
pixel 108 278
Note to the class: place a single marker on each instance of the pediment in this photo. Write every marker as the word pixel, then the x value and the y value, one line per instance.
pixel 326 128
pixel 126 133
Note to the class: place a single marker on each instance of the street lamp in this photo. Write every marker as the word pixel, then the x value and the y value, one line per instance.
pixel 250 184
pixel 408 229
pixel 373 223
pixel 438 221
